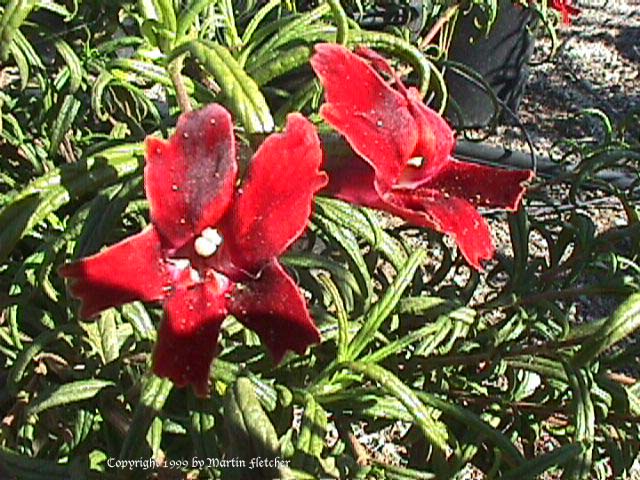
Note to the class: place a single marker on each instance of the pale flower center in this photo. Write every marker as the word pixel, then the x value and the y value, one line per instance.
pixel 208 242
pixel 416 162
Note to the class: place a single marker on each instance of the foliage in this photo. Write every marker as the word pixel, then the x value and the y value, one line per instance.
pixel 497 370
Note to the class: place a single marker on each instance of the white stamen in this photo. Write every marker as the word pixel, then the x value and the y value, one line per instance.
pixel 180 263
pixel 416 162
pixel 213 235
pixel 195 276
pixel 208 242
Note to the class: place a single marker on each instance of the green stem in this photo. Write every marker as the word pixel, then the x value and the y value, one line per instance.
pixel 342 22
pixel 182 97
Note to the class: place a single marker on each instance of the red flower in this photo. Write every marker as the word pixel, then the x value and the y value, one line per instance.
pixel 566 8
pixel 212 249
pixel 407 168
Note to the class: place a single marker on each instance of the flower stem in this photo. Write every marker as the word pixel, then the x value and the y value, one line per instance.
pixel 175 69
pixel 448 14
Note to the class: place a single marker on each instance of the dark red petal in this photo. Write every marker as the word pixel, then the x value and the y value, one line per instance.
pixel 354 181
pixel 130 270
pixel 273 205
pixel 481 185
pixel 189 180
pixel 374 118
pixel 274 308
pixel 446 214
pixel 188 336
pixel 422 207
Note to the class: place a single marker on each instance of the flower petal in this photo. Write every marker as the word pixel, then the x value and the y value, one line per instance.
pixel 273 205
pixel 481 185
pixel 275 309
pixel 435 143
pixel 189 179
pixel 374 118
pixel 566 8
pixel 446 214
pixel 188 335
pixel 424 207
pixel 132 269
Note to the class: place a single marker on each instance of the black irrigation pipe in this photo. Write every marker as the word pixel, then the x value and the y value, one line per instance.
pixel 497 156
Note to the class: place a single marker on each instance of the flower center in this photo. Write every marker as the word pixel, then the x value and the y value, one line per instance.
pixel 208 242
pixel 416 162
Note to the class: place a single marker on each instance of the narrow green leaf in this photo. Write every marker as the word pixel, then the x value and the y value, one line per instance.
pixel 14 15
pixel 73 64
pixel 155 392
pixel 348 242
pixel 284 61
pixel 136 314
pixel 239 91
pixel 67 394
pixel 624 322
pixel 26 468
pixel 58 187
pixel 580 382
pixel 110 346
pixel 251 433
pixel 383 308
pixel 313 428
pixel 434 430
pixel 257 19
pixel 22 63
pixel 352 219
pixel 202 428
pixel 341 314
pixel 532 469
pixel 19 367
pixel 66 115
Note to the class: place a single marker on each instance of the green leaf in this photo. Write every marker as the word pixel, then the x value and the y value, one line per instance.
pixel 73 64
pixel 532 469
pixel 14 15
pixel 155 392
pixel 257 19
pixel 136 314
pixel 434 430
pixel 19 367
pixel 362 225
pixel 63 122
pixel 284 62
pixel 67 394
pixel 239 91
pixel 580 382
pixel 313 428
pixel 202 428
pixel 383 308
pixel 624 322
pixel 46 194
pixel 102 335
pixel 26 468
pixel 251 433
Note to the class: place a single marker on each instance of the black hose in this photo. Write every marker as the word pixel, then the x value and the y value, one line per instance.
pixel 497 156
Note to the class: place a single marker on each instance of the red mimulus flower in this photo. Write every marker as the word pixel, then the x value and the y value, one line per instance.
pixel 406 146
pixel 212 249
pixel 566 8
